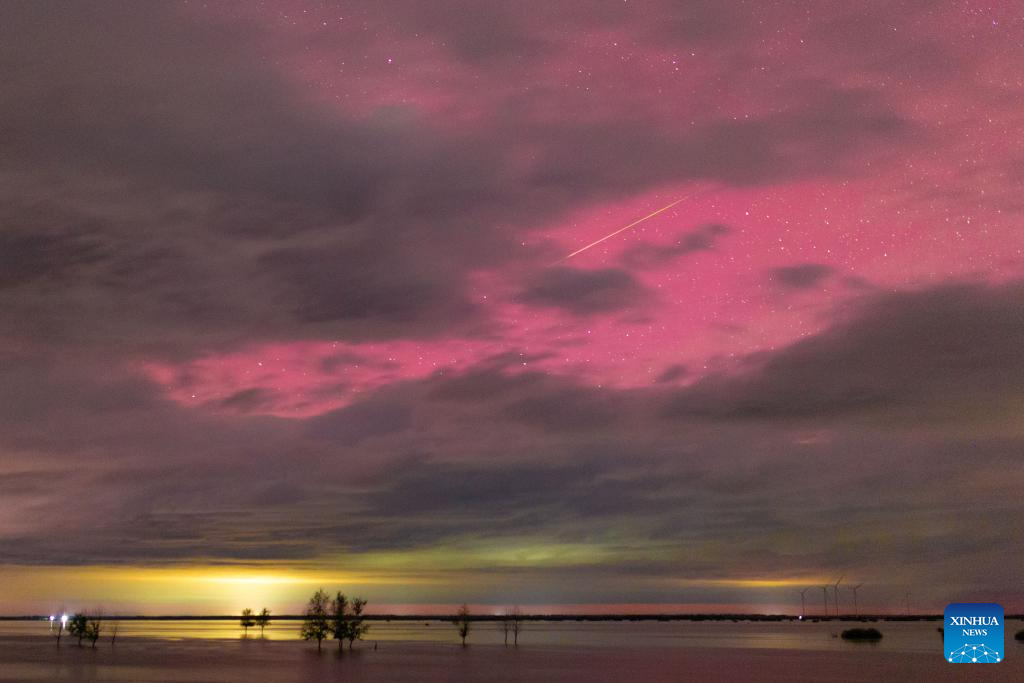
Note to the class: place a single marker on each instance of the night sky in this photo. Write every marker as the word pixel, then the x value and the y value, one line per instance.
pixel 285 302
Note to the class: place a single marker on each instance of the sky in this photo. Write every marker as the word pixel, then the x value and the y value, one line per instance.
pixel 300 294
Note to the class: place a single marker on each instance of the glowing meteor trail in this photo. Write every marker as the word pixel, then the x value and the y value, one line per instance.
pixel 609 236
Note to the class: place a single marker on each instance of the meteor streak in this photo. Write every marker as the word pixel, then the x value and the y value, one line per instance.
pixel 611 235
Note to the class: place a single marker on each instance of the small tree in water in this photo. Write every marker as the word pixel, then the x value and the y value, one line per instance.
pixel 506 625
pixel 263 620
pixel 247 621
pixel 462 622
pixel 93 629
pixel 347 623
pixel 517 625
pixel 356 629
pixel 512 622
pixel 316 625
pixel 77 626
pixel 61 625
pixel 338 625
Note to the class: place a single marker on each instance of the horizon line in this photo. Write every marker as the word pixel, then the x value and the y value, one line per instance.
pixel 488 616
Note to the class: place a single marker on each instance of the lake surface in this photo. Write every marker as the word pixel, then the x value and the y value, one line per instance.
pixel 555 651
pixel 911 636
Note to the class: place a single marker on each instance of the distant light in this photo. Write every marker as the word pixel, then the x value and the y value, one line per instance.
pixel 63 619
pixel 52 617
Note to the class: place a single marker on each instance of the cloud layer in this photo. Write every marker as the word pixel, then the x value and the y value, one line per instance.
pixel 278 291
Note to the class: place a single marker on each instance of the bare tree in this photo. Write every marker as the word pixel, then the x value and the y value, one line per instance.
pixel 94 628
pixel 462 622
pixel 247 621
pixel 113 633
pixel 517 625
pixel 62 622
pixel 506 624
pixel 263 620
pixel 316 625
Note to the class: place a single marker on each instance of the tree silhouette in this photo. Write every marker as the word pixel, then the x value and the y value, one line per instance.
pixel 517 625
pixel 61 625
pixel 347 623
pixel 77 627
pixel 316 625
pixel 462 622
pixel 263 620
pixel 506 625
pixel 338 625
pixel 355 628
pixel 247 621
pixel 93 629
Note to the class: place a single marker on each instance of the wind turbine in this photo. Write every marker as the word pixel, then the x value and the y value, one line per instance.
pixel 803 609
pixel 824 592
pixel 856 610
pixel 837 593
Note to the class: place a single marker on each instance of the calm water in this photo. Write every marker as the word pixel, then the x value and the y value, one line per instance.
pixel 919 636
pixel 566 652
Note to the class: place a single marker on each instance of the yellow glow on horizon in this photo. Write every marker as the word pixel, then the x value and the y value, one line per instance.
pixel 256 575
pixel 406 576
pixel 499 554
pixel 753 583
pixel 449 572
pixel 197 589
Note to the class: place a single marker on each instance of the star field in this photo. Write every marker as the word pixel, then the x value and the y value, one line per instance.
pixel 285 288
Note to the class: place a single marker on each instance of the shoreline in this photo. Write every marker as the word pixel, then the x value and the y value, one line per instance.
pixel 539 617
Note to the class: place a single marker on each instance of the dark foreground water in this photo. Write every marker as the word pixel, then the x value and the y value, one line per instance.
pixel 568 651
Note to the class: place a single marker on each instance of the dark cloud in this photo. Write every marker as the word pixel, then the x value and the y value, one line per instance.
pixel 477 33
pixel 483 383
pixel 175 184
pixel 646 255
pixel 802 276
pixel 331 284
pixel 672 373
pixel 567 410
pixel 248 400
pixel 219 203
pixel 216 160
pixel 351 425
pixel 820 124
pixel 948 353
pixel 488 456
pixel 584 292
pixel 484 34
pixel 425 488
pixel 26 257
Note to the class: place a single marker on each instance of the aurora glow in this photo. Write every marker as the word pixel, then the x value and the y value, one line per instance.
pixel 278 304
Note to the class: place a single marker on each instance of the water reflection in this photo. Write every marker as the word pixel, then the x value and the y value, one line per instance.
pixel 899 636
